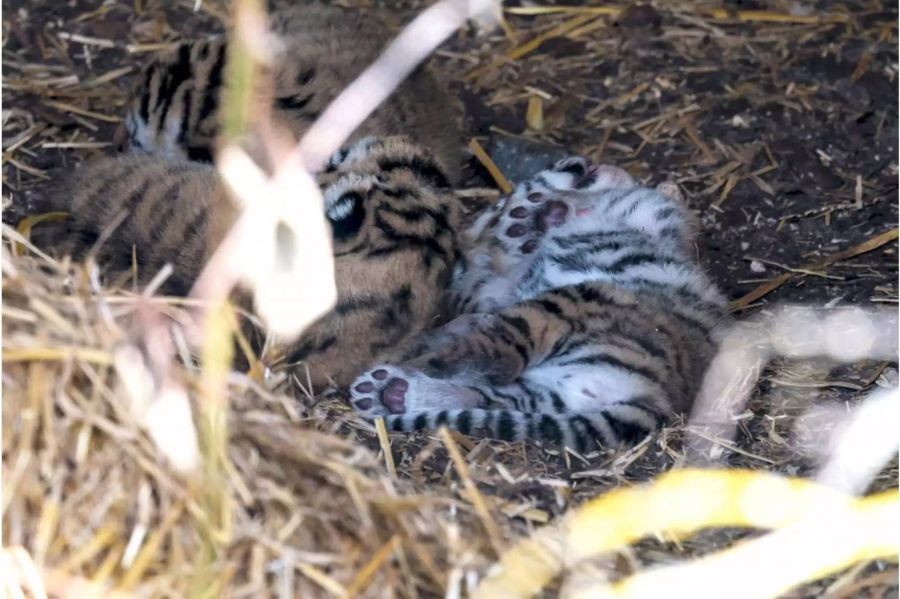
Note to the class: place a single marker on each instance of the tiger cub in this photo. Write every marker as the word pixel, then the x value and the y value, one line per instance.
pixel 175 102
pixel 585 318
pixel 394 221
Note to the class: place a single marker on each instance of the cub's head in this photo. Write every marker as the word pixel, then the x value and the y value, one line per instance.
pixel 388 193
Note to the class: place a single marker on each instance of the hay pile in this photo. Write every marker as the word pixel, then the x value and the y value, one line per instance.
pixel 303 510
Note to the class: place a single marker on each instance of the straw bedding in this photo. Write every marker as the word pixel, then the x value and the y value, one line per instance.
pixel 308 503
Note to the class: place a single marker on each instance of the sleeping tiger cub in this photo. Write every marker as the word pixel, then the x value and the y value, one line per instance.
pixel 394 220
pixel 175 102
pixel 585 318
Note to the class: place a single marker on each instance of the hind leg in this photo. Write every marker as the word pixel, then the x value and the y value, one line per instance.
pixel 445 369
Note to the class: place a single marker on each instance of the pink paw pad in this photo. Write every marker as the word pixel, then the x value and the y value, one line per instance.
pixel 394 395
pixel 552 215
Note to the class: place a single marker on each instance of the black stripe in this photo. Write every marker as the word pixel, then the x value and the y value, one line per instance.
pixel 365 302
pixel 645 344
pixel 588 239
pixel 423 167
pixel 632 208
pixel 567 292
pixel 574 262
pixel 550 306
pixel 398 191
pixel 293 102
pixel 550 430
pixel 520 349
pixel 130 201
pixel 210 91
pixel 670 232
pixel 534 397
pixel 173 76
pixel 628 432
pixel 511 399
pixel 310 346
pixel 664 213
pixel 610 360
pixel 185 113
pixel 558 404
pixel 620 195
pixel 584 432
pixel 193 228
pixel 636 260
pixel 144 90
pixel 464 422
pixel 487 421
pixel 591 295
pixel 420 422
pixel 518 323
pixel 646 404
pixel 506 426
pixel 407 241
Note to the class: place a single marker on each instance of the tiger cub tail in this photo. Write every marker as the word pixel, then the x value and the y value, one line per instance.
pixel 618 425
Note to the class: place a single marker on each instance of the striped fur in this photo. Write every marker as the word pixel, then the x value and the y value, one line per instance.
pixel 585 319
pixel 394 221
pixel 175 107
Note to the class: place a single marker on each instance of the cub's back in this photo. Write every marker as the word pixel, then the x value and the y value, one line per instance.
pixel 324 48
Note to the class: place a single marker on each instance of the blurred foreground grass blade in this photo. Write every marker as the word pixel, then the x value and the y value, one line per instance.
pixel 678 504
pixel 241 108
pixel 240 105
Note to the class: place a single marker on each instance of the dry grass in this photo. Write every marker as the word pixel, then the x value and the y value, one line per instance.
pixel 309 500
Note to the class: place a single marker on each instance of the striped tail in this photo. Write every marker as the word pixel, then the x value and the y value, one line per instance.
pixel 613 427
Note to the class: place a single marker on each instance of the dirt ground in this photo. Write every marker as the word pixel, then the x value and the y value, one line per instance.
pixel 783 134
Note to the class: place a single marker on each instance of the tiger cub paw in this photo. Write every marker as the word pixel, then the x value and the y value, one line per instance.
pixel 527 219
pixel 380 392
pixel 671 191
pixel 579 174
pixel 386 390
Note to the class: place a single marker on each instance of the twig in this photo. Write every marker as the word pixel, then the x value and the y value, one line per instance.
pixel 867 246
